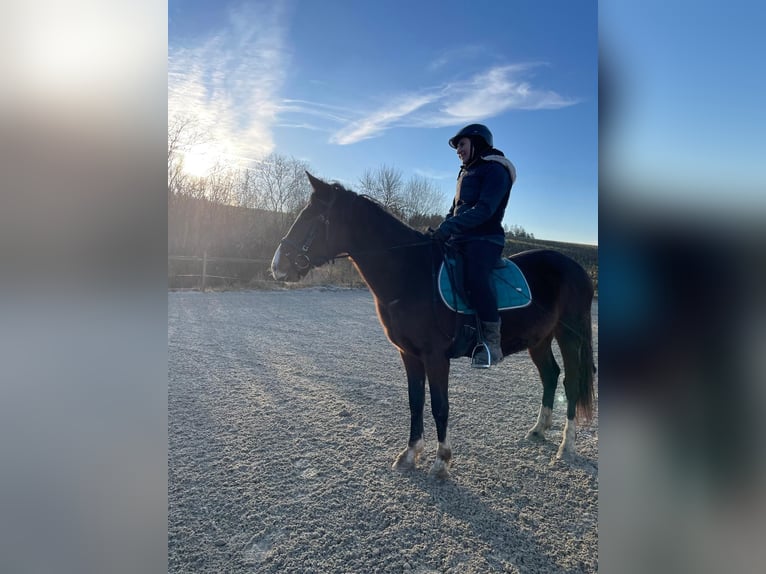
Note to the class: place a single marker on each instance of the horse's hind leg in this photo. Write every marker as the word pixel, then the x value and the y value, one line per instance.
pixel 542 357
pixel 416 379
pixel 569 344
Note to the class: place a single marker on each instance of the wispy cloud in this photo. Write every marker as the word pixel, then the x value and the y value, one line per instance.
pixel 495 91
pixel 485 95
pixel 456 57
pixel 335 114
pixel 230 84
pixel 378 121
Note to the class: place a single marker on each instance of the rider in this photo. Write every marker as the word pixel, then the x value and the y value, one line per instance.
pixel 474 222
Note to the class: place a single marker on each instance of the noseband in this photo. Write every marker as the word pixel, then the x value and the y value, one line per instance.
pixel 301 259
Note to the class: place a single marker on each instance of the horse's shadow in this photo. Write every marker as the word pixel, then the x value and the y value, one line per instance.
pixel 499 530
pixel 508 532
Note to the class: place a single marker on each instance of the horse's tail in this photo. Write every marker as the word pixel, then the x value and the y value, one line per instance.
pixel 587 369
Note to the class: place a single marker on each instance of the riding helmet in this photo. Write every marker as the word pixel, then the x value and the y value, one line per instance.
pixel 479 130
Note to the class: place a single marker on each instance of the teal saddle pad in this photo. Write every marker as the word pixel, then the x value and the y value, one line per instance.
pixel 510 286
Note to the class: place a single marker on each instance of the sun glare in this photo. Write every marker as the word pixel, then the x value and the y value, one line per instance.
pixel 200 160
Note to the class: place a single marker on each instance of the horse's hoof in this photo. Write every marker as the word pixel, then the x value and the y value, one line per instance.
pixel 535 435
pixel 408 457
pixel 440 469
pixel 565 454
pixel 403 463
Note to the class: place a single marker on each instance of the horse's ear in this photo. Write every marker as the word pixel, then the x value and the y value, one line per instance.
pixel 322 189
pixel 315 182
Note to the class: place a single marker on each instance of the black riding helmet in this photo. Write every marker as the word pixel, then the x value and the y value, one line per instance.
pixel 473 131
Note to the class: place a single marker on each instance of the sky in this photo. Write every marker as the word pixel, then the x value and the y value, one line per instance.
pixel 687 121
pixel 351 86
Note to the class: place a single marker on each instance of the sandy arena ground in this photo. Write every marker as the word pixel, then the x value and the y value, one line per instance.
pixel 285 412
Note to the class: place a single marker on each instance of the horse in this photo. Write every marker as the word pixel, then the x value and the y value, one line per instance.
pixel 399 265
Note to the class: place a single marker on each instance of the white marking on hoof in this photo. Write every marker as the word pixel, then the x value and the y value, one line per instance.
pixel 409 456
pixel 440 468
pixel 567 448
pixel 544 422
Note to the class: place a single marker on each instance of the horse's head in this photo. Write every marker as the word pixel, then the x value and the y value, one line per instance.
pixel 309 242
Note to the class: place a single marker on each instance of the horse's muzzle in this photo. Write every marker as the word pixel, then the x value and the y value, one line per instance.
pixel 287 268
pixel 278 270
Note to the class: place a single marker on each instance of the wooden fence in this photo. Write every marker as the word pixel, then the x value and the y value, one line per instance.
pixel 246 270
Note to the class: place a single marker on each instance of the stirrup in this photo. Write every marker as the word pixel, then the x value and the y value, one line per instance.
pixel 477 365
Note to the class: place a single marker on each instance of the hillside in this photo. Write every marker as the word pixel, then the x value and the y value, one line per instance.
pixel 239 242
pixel 585 255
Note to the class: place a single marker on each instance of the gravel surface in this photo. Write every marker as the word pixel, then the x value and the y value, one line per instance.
pixel 286 410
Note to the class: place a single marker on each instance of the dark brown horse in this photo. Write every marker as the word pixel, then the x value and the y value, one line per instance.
pixel 399 265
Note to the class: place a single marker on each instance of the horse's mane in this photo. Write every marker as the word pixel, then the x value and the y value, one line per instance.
pixel 382 212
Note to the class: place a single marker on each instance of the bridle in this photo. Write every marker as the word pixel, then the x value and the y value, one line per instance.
pixel 301 259
pixel 298 256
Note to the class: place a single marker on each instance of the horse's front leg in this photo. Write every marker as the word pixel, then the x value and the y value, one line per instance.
pixel 416 379
pixel 438 385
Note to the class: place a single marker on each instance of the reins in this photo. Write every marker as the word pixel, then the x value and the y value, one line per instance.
pixel 380 250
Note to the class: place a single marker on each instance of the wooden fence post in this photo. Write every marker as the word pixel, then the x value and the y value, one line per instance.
pixel 204 270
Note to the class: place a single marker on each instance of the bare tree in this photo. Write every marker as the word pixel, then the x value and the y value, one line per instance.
pixel 179 130
pixel 246 193
pixel 421 198
pixel 221 185
pixel 384 184
pixel 282 185
pixel 301 188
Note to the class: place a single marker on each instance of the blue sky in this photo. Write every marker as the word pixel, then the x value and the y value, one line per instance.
pixel 687 132
pixel 349 86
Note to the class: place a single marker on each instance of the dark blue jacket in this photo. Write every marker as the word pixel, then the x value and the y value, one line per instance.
pixel 483 189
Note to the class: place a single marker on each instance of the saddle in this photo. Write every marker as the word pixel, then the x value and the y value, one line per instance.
pixel 508 282
pixel 511 291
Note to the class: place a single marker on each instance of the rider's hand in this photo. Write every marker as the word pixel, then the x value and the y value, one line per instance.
pixel 439 234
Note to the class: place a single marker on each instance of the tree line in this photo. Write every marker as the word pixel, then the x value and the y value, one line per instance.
pixel 242 213
pixel 200 209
